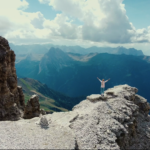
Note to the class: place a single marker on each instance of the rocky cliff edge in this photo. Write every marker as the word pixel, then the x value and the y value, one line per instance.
pixel 12 103
pixel 119 120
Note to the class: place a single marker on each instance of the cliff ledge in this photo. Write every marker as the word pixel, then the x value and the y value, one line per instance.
pixel 120 120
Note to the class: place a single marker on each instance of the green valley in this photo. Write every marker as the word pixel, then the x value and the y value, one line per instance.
pixel 49 99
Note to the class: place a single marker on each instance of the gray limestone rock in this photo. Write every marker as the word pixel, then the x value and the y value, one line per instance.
pixel 120 122
pixel 144 106
pixel 96 97
pixel 44 122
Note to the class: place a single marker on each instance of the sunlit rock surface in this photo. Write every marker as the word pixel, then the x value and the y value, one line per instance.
pixel 119 122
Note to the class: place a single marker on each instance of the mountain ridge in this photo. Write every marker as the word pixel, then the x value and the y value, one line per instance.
pixel 42 49
pixel 82 74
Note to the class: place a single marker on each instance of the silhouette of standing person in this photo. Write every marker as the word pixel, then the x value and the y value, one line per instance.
pixel 102 85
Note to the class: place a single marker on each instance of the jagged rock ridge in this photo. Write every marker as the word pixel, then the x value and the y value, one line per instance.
pixel 118 121
pixel 12 104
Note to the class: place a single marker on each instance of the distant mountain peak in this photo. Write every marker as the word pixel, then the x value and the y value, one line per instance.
pixel 54 51
pixel 54 58
pixel 130 51
pixel 57 54
pixel 29 56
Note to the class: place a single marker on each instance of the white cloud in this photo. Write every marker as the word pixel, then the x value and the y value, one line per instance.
pixel 61 26
pixel 11 5
pixel 9 11
pixel 101 19
pixel 38 20
pixel 103 22
pixel 113 27
pixel 142 35
pixel 17 25
pixel 28 27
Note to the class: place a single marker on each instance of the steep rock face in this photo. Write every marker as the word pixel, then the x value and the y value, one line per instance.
pixel 119 120
pixel 12 102
pixel 11 106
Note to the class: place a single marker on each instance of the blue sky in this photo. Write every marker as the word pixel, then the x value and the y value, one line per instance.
pixel 46 10
pixel 77 22
pixel 138 12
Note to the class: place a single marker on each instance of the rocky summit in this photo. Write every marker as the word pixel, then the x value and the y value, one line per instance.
pixel 118 120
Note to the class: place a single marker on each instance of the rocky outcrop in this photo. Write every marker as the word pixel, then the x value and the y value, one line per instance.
pixel 119 120
pixel 32 108
pixel 12 104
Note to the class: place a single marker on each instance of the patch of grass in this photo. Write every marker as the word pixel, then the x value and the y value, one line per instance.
pixel 46 104
pixel 46 109
pixel 31 87
pixel 51 106
pixel 27 97
pixel 42 97
pixel 26 84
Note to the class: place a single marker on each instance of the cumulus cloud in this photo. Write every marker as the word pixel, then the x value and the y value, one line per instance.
pixel 16 24
pixel 102 21
pixel 142 35
pixel 9 11
pixel 113 27
pixel 62 26
pixel 26 25
pixel 7 5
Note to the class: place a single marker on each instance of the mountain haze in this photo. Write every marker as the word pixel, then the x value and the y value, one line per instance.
pixel 79 78
pixel 41 49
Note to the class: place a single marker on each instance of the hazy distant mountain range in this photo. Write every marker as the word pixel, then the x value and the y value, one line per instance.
pixel 69 74
pixel 39 50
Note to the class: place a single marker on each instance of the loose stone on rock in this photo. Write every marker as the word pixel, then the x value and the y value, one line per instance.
pixel 96 97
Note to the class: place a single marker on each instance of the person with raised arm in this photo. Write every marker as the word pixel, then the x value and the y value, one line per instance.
pixel 102 85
